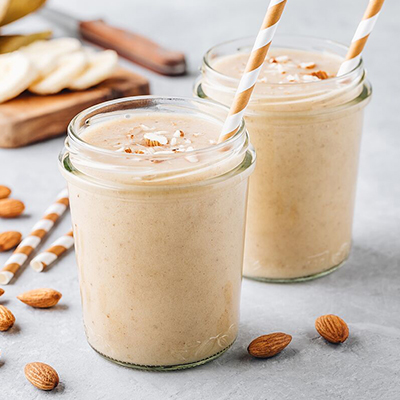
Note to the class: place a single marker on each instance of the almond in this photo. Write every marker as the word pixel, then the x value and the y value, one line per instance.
pixel 10 208
pixel 7 319
pixel 41 375
pixel 1 291
pixel 320 74
pixel 269 345
pixel 40 298
pixel 155 139
pixel 332 328
pixel 8 240
pixel 307 65
pixel 4 192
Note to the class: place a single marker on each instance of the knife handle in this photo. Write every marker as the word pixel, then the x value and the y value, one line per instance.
pixel 134 47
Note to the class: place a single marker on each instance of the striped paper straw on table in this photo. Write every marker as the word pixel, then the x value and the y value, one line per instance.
pixel 253 67
pixel 38 232
pixel 361 36
pixel 56 249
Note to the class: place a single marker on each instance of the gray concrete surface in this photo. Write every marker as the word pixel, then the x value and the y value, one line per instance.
pixel 365 292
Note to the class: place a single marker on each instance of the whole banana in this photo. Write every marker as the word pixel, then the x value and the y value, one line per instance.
pixel 11 10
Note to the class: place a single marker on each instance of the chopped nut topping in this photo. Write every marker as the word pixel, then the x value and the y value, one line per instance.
pixel 293 78
pixel 154 139
pixel 282 59
pixel 128 150
pixel 173 141
pixel 281 69
pixel 307 65
pixel 177 133
pixel 139 152
pixel 320 74
pixel 146 128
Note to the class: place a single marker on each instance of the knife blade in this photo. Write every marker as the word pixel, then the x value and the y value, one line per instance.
pixel 127 44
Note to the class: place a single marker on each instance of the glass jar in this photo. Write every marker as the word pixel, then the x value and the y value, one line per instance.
pixel 159 250
pixel 307 137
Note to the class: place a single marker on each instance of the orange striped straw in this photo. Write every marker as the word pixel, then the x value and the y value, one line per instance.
pixel 38 232
pixel 56 249
pixel 361 36
pixel 253 67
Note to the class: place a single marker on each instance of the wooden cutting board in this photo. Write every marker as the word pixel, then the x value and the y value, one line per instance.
pixel 30 118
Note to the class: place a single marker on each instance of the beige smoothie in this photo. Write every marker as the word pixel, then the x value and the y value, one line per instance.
pixel 158 214
pixel 306 127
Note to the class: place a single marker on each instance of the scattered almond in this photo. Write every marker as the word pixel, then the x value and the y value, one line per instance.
pixel 7 319
pixel 40 298
pixel 10 208
pixel 9 240
pixel 128 150
pixel 332 328
pixel 4 192
pixel 41 375
pixel 1 291
pixel 269 345
pixel 320 74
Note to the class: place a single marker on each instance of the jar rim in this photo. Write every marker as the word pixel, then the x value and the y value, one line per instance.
pixel 100 165
pixel 71 131
pixel 359 66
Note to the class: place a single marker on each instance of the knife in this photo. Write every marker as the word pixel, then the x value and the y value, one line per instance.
pixel 129 45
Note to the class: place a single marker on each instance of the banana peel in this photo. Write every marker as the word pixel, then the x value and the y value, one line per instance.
pixel 3 8
pixel 11 43
pixel 16 9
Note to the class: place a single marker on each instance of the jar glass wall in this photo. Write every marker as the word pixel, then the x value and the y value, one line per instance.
pixel 159 250
pixel 307 137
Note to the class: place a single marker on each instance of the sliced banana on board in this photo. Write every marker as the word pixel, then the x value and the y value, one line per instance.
pixel 68 67
pixel 100 66
pixel 16 74
pixel 44 54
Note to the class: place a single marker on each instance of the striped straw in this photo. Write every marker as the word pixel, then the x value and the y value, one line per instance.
pixel 361 36
pixel 253 68
pixel 56 249
pixel 29 244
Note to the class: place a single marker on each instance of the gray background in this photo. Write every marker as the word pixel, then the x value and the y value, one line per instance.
pixel 366 292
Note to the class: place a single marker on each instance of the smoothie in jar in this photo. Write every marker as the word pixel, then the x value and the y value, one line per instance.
pixel 306 126
pixel 158 212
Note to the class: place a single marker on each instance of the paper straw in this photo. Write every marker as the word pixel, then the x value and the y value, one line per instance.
pixel 361 36
pixel 253 67
pixel 56 249
pixel 38 232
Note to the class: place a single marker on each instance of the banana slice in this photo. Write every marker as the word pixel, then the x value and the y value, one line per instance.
pixel 44 54
pixel 16 74
pixel 101 65
pixel 69 66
